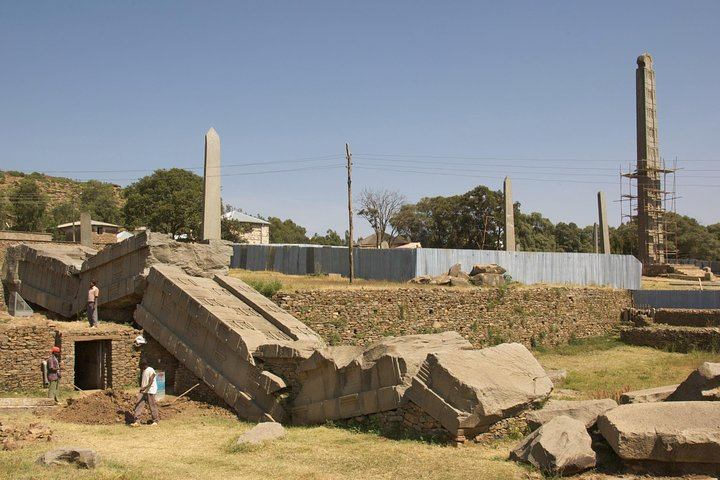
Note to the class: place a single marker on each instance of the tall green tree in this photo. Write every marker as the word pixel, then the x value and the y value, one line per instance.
pixel 474 220
pixel 29 205
pixel 100 200
pixel 534 233
pixel 168 201
pixel 693 240
pixel 286 231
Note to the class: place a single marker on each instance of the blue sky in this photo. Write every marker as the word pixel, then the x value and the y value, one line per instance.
pixel 434 98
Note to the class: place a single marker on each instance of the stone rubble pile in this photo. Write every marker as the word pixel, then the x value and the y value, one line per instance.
pixel 672 430
pixel 489 275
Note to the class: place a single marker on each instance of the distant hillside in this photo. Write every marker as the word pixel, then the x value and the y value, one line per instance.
pixel 59 190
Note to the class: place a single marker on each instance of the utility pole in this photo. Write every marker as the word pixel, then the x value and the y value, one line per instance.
pixel 350 216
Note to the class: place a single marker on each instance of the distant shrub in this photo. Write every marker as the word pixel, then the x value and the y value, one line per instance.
pixel 267 288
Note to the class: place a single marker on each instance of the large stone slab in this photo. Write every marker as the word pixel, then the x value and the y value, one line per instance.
pixel 121 269
pixel 666 432
pixel 467 391
pixel 585 411
pixel 648 395
pixel 562 446
pixel 46 274
pixel 215 334
pixel 701 384
pixel 349 381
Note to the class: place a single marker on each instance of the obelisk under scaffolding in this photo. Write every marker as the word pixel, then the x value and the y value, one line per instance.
pixel 651 235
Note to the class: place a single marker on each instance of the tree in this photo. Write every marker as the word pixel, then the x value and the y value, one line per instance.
pixel 693 240
pixel 534 233
pixel 168 201
pixel 233 230
pixel 331 238
pixel 472 220
pixel 571 238
pixel 29 204
pixel 286 231
pixel 379 207
pixel 5 211
pixel 100 200
pixel 624 239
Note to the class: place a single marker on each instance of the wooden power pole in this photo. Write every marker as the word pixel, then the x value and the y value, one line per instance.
pixel 350 215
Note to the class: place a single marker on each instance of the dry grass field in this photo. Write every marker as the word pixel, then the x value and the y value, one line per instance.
pixel 199 443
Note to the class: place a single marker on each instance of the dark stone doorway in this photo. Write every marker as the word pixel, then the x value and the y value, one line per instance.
pixel 91 362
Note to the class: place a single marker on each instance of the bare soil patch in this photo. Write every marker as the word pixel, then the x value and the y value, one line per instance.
pixel 109 407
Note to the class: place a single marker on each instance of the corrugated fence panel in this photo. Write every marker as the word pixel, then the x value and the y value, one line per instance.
pixel 394 265
pixel 714 266
pixel 619 271
pixel 700 299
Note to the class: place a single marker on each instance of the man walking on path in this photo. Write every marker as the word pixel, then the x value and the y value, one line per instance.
pixel 53 373
pixel 93 294
pixel 148 389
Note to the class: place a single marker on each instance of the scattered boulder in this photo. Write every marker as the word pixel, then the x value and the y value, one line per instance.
pixel 263 432
pixel 82 457
pixel 702 384
pixel 560 447
pixel 469 390
pixel 556 376
pixel 648 395
pixel 487 268
pixel 670 434
pixel 490 279
pixel 455 270
pixel 585 411
pixel 421 280
pixel 441 280
pixel 459 281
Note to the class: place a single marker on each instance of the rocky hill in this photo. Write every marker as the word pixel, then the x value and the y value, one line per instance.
pixel 58 190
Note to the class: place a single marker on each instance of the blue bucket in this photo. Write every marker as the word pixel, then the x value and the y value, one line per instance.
pixel 160 379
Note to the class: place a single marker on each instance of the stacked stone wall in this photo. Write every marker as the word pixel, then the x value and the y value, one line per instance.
pixel 531 316
pixel 24 346
pixel 22 349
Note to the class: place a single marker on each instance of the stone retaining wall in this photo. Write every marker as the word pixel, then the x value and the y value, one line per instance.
pixel 673 338
pixel 22 349
pixel 484 316
pixel 24 345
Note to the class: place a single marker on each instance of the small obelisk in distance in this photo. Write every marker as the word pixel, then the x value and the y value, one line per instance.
pixel 211 187
pixel 509 216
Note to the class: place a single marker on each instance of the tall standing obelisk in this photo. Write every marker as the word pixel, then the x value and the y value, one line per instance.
pixel 211 187
pixel 651 234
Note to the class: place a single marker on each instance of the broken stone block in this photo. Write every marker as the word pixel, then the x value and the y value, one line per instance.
pixel 262 432
pixel 562 446
pixel 670 433
pixel 215 333
pixel 350 381
pixel 585 411
pixel 469 390
pixel 488 279
pixel 702 384
pixel 82 457
pixel 648 395
pixel 487 268
pixel 455 270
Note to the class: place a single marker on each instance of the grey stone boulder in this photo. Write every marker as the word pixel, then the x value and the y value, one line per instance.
pixel 262 432
pixel 487 268
pixel 455 270
pixel 466 391
pixel 670 433
pixel 489 279
pixel 702 384
pixel 560 447
pixel 585 411
pixel 648 395
pixel 82 457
